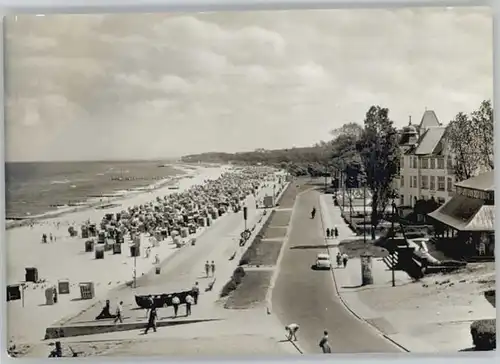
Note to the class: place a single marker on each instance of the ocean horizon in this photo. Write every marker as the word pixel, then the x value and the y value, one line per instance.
pixel 35 188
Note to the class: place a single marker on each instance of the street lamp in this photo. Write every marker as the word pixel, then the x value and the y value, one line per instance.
pixel 342 182
pixel 362 179
pixel 393 266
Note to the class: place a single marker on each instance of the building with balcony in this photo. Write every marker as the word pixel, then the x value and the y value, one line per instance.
pixel 426 170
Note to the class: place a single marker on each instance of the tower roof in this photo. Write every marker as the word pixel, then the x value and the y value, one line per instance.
pixel 429 119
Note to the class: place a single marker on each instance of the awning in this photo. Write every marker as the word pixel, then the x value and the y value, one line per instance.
pixel 466 214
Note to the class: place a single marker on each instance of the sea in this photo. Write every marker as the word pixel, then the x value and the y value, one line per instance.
pixel 35 188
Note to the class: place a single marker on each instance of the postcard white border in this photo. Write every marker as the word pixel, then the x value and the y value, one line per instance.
pixel 148 6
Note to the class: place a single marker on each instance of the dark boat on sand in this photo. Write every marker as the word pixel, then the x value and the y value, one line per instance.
pixel 161 300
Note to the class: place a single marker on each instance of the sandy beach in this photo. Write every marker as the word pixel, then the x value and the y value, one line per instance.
pixel 65 259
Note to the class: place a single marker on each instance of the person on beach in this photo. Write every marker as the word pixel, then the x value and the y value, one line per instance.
pixel 339 259
pixel 313 213
pixel 153 314
pixel 207 268
pixel 345 259
pixel 157 259
pixel 336 232
pixel 151 302
pixel 119 313
pixel 324 344
pixel 44 238
pixel 212 267
pixel 291 332
pixel 55 294
pixel 189 303
pixel 195 292
pixel 51 237
pixel 106 312
pixel 175 303
pixel 327 233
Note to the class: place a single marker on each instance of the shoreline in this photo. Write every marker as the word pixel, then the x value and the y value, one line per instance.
pixel 76 266
pixel 185 173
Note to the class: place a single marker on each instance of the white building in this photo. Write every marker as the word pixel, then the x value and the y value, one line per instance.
pixel 426 163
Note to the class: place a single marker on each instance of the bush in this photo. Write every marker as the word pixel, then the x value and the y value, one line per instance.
pixel 234 282
pixel 229 287
pixel 483 334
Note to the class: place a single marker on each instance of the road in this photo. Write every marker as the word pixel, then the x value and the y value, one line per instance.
pixel 308 297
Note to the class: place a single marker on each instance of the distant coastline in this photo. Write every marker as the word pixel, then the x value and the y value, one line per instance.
pixel 101 200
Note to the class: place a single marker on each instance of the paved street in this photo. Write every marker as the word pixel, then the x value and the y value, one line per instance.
pixel 308 297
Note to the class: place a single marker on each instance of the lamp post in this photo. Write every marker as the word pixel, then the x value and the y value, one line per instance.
pixel 342 182
pixel 364 208
pixel 393 266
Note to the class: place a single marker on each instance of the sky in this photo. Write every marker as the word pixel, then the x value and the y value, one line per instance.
pixel 153 86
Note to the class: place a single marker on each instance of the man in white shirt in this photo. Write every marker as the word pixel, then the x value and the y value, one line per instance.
pixel 292 331
pixel 189 303
pixel 119 312
pixel 175 303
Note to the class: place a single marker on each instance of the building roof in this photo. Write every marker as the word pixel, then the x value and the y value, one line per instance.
pixel 483 182
pixel 466 214
pixel 430 140
pixel 429 119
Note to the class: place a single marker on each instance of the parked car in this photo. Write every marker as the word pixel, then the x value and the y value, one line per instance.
pixel 323 261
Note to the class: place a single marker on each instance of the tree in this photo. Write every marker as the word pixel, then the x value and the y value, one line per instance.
pixel 343 153
pixel 461 134
pixel 379 152
pixel 482 119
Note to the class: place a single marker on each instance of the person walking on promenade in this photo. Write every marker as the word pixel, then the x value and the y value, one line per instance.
pixel 324 344
pixel 339 259
pixel 345 259
pixel 212 267
pixel 291 332
pixel 195 292
pixel 313 213
pixel 119 313
pixel 328 233
pixel 153 314
pixel 336 232
pixel 175 303
pixel 189 303
pixel 207 268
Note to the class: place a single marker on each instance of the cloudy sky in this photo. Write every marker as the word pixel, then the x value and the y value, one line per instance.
pixel 86 87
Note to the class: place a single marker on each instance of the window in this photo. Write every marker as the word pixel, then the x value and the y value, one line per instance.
pixel 424 183
pixel 433 163
pixel 440 183
pixel 424 163
pixel 415 184
pixel 414 162
pixel 402 200
pixel 440 162
pixel 433 183
pixel 402 161
pixel 450 184
pixel 402 179
pixel 449 163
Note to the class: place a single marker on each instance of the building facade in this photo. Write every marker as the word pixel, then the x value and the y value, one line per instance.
pixel 426 165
